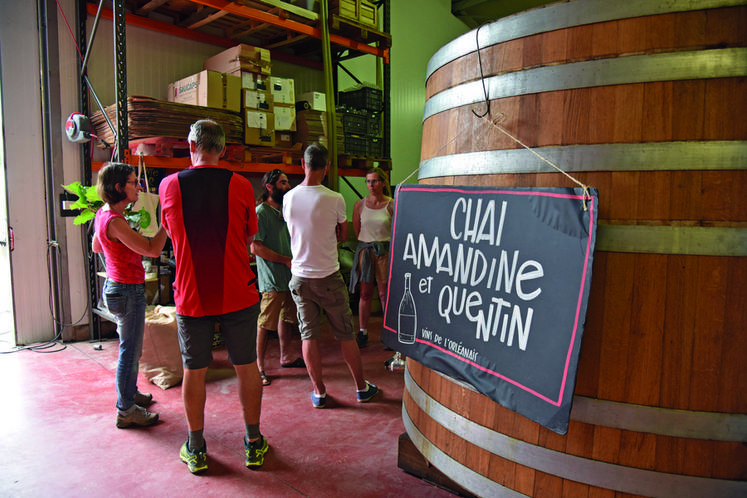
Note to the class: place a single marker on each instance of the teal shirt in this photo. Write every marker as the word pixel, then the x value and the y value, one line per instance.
pixel 273 233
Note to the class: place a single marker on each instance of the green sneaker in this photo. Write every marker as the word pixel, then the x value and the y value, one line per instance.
pixel 255 452
pixel 196 461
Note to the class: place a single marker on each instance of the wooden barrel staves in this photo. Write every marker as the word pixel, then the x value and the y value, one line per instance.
pixel 644 100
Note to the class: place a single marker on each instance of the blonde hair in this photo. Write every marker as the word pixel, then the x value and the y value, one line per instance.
pixel 383 177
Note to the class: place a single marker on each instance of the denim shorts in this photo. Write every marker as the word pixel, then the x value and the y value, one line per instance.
pixel 238 328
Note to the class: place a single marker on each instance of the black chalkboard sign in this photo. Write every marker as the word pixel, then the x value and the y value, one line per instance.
pixel 490 286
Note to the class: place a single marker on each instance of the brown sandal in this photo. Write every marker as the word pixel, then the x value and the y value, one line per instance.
pixel 265 380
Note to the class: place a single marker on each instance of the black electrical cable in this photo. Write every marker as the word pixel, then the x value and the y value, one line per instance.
pixel 482 75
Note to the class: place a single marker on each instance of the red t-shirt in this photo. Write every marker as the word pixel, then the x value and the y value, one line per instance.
pixel 123 265
pixel 209 214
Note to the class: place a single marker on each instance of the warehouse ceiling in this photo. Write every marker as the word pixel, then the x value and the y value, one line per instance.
pixel 287 28
pixel 476 12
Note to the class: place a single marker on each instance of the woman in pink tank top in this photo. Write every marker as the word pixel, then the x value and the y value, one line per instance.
pixel 124 289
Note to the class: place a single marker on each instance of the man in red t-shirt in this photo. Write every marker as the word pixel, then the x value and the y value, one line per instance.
pixel 209 214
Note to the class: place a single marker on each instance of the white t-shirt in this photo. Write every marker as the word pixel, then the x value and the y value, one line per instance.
pixel 312 214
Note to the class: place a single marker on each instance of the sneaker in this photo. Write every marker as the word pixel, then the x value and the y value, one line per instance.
pixel 143 399
pixel 318 401
pixel 366 396
pixel 195 460
pixel 139 416
pixel 362 340
pixel 255 452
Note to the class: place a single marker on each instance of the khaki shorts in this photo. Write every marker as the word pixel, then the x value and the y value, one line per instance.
pixel 276 306
pixel 379 267
pixel 312 295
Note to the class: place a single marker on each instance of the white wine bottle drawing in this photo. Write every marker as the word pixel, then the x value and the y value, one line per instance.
pixel 407 319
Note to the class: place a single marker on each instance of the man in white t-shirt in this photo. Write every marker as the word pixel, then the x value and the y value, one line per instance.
pixel 316 221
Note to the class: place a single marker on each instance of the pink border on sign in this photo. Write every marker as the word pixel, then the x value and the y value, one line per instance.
pixel 579 302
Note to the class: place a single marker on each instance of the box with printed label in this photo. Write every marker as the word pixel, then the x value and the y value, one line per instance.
pixel 255 81
pixel 284 139
pixel 317 101
pixel 283 90
pixel 259 128
pixel 240 58
pixel 257 99
pixel 285 117
pixel 209 89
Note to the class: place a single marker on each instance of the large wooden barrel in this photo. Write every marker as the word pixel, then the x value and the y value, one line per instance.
pixel 646 100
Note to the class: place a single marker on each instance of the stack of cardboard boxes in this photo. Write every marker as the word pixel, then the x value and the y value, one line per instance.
pixel 239 79
pixel 312 124
pixel 284 94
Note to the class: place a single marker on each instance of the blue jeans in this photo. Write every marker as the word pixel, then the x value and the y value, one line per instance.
pixel 127 303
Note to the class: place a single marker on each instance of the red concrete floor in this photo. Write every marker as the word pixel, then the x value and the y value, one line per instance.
pixel 57 433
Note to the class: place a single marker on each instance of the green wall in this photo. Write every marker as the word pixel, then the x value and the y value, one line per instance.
pixel 418 28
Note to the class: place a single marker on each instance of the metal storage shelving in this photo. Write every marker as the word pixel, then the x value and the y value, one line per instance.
pixel 292 34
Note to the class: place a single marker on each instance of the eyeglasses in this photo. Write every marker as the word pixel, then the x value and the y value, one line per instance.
pixel 136 183
pixel 273 176
pixel 372 182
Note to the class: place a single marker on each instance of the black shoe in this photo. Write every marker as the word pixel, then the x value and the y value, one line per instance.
pixel 361 339
pixel 366 396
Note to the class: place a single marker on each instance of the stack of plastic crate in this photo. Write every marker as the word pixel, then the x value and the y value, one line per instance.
pixel 361 121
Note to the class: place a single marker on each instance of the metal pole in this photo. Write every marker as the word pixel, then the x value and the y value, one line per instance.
pixel 94 322
pixel 387 89
pixel 120 78
pixel 332 178
pixel 51 143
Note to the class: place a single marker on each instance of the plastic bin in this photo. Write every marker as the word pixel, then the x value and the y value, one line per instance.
pixel 365 98
pixel 356 145
pixel 354 121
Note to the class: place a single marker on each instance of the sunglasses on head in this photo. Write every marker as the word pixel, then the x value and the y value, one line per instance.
pixel 273 176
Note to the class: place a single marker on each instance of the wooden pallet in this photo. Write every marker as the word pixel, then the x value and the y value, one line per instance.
pixel 364 163
pixel 179 147
pixel 160 147
pixel 287 157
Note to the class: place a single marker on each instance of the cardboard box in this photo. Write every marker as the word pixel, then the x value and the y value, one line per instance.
pixel 284 139
pixel 209 89
pixel 317 101
pixel 285 117
pixel 255 81
pixel 257 99
pixel 259 128
pixel 283 90
pixel 240 58
pixel 312 127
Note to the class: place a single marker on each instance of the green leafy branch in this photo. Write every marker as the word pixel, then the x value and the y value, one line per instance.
pixel 89 202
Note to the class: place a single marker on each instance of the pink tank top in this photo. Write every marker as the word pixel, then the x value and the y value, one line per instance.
pixel 123 265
